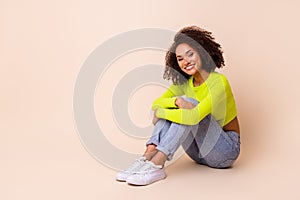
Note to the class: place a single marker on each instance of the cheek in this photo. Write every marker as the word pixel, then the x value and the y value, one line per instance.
pixel 179 64
pixel 199 59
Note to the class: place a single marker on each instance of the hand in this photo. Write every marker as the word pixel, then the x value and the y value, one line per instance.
pixel 155 119
pixel 181 103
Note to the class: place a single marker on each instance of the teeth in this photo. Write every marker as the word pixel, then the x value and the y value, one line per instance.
pixel 189 67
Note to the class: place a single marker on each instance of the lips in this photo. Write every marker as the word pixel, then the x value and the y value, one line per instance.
pixel 189 67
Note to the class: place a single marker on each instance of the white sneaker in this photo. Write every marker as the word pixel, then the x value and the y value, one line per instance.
pixel 147 174
pixel 122 175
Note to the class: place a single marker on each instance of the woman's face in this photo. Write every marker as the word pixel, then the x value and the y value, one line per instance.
pixel 188 59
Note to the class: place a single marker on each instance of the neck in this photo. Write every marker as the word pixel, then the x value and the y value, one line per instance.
pixel 200 77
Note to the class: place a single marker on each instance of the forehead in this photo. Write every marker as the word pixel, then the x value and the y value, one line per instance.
pixel 182 49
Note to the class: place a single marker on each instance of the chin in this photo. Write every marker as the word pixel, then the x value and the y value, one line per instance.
pixel 191 73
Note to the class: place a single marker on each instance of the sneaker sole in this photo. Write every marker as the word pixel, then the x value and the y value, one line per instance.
pixel 147 183
pixel 120 180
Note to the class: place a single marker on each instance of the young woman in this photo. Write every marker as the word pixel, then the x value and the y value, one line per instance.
pixel 198 111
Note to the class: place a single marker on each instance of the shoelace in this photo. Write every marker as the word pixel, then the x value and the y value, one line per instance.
pixel 148 167
pixel 136 163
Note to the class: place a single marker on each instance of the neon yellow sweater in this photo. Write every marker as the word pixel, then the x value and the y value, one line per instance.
pixel 215 97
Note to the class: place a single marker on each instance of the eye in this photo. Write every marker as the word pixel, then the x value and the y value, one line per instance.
pixel 179 59
pixel 190 54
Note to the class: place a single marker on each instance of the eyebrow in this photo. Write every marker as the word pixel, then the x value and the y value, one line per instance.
pixel 185 53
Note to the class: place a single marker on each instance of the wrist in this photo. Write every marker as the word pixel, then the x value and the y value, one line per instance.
pixel 179 102
pixel 176 102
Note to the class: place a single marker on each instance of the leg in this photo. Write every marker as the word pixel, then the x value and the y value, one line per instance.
pixel 150 151
pixel 171 139
pixel 169 142
pixel 225 152
pixel 160 128
pixel 165 140
pixel 162 146
pixel 212 146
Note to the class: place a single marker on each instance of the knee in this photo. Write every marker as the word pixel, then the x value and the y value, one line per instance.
pixel 191 100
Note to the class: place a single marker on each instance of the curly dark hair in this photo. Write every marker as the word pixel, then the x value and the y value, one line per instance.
pixel 203 42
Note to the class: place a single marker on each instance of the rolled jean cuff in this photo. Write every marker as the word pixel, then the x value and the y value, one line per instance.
pixel 166 152
pixel 152 142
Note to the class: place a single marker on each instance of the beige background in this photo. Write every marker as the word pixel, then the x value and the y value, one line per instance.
pixel 43 45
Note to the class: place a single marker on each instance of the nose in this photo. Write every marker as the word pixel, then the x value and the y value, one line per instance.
pixel 186 60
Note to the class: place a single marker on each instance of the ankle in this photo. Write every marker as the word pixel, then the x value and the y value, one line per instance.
pixel 150 148
pixel 159 158
pixel 158 162
pixel 149 155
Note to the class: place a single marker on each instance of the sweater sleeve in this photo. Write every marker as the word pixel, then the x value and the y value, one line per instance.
pixel 186 116
pixel 167 100
pixel 215 102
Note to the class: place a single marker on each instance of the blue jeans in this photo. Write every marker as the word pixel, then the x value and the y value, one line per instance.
pixel 206 142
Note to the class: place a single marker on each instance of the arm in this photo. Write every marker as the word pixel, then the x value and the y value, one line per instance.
pixel 167 100
pixel 186 116
pixel 180 103
pixel 214 102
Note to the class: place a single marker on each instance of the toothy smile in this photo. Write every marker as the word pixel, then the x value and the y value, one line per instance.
pixel 189 67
